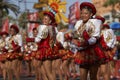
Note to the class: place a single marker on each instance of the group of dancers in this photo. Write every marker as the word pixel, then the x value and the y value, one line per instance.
pixel 50 52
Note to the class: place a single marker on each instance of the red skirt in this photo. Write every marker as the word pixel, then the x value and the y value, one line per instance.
pixel 68 54
pixel 110 54
pixel 44 53
pixel 56 53
pixel 13 55
pixel 86 57
pixel 3 57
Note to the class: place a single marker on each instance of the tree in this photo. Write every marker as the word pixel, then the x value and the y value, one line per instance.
pixel 5 6
pixel 23 20
pixel 112 3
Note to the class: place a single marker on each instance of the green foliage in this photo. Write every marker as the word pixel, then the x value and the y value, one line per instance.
pixel 5 6
pixel 22 20
pixel 111 2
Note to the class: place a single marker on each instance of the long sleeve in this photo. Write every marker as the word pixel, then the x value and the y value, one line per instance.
pixel 113 45
pixel 109 38
pixel 18 38
pixel 60 37
pixel 94 28
pixel 18 41
pixel 42 33
pixel 77 25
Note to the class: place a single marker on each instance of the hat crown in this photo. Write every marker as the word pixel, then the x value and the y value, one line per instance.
pixel 90 5
pixel 51 15
pixel 106 25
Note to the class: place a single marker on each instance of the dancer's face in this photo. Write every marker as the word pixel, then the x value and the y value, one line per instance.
pixel 35 32
pixel 46 20
pixel 85 15
pixel 12 31
pixel 4 36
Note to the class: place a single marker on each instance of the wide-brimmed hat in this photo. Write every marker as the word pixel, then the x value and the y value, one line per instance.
pixel 15 27
pixel 51 15
pixel 106 26
pixel 90 5
pixel 100 18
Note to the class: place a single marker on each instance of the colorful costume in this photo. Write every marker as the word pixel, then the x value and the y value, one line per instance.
pixel 3 50
pixel 88 35
pixel 44 40
pixel 64 50
pixel 108 41
pixel 14 44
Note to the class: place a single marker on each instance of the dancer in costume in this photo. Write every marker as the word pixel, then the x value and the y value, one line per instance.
pixel 14 44
pixel 45 40
pixel 31 49
pixel 3 53
pixel 87 39
pixel 107 42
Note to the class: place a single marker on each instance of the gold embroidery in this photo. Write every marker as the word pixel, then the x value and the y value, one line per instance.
pixel 2 44
pixel 31 46
pixel 81 29
pixel 109 37
pixel 44 33
pixel 79 32
pixel 9 43
pixel 91 29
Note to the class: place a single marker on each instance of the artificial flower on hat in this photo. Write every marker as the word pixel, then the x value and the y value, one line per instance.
pixel 57 7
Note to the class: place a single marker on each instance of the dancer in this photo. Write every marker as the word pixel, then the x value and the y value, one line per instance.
pixel 87 35
pixel 3 54
pixel 45 40
pixel 107 42
pixel 14 43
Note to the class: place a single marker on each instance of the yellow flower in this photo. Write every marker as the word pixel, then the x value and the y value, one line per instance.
pixel 59 8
